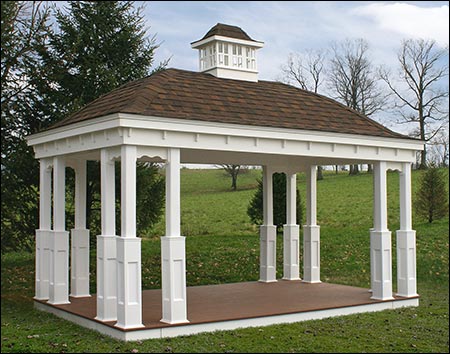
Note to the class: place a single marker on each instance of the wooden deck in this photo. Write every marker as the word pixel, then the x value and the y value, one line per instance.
pixel 238 301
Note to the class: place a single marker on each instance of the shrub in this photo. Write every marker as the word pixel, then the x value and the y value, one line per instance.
pixel 255 209
pixel 431 199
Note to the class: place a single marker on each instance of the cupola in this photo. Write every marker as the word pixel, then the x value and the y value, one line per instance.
pixel 228 52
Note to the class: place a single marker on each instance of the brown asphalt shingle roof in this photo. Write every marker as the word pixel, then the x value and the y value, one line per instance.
pixel 227 31
pixel 182 94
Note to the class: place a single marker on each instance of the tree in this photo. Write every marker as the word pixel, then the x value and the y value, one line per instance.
pixel 48 74
pixel 233 171
pixel 431 199
pixel 97 47
pixel 305 70
pixel 255 208
pixel 439 149
pixel 422 101
pixel 23 32
pixel 353 80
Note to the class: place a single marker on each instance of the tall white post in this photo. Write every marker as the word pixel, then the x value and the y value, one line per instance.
pixel 173 248
pixel 268 232
pixel 79 286
pixel 106 243
pixel 59 240
pixel 291 269
pixel 380 238
pixel 311 231
pixel 406 239
pixel 44 233
pixel 129 295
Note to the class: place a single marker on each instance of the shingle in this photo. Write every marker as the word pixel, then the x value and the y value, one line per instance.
pixel 182 94
pixel 224 30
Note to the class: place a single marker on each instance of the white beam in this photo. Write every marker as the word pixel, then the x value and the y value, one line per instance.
pixel 311 196
pixel 59 238
pixel 79 270
pixel 106 242
pixel 268 232
pixel 80 195
pixel 311 231
pixel 267 196
pixel 43 234
pixel 291 199
pixel 45 195
pixel 380 196
pixel 173 193
pixel 406 239
pixel 291 269
pixel 129 287
pixel 108 194
pixel 59 194
pixel 173 249
pixel 128 188
pixel 405 197
pixel 380 238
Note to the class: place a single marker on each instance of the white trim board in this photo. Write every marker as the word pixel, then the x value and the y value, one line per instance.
pixel 190 329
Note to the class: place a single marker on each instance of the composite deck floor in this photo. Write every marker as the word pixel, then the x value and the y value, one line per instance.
pixel 214 303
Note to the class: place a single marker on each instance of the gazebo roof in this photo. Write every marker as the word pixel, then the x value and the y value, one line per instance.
pixel 182 94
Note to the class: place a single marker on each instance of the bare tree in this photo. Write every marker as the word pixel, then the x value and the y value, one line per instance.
pixel 353 79
pixel 440 149
pixel 422 101
pixel 233 171
pixel 305 70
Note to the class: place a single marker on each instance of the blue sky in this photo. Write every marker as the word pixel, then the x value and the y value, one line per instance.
pixel 295 26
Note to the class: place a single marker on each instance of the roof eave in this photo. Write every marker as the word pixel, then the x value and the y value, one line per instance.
pixel 202 42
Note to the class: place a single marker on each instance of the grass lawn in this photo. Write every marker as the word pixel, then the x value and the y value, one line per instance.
pixel 222 246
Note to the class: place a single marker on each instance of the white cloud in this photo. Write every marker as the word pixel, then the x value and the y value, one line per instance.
pixel 410 21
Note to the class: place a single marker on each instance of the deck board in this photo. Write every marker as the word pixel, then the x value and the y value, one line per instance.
pixel 225 302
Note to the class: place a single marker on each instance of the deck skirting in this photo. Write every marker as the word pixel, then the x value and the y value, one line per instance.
pixel 250 304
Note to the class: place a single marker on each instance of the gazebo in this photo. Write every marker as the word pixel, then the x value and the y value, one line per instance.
pixel 221 114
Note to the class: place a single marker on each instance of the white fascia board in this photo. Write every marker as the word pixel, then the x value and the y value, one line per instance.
pixel 200 43
pixel 124 120
pixel 84 127
pixel 227 129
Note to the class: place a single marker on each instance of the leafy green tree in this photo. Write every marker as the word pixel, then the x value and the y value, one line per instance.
pixel 48 74
pixel 255 208
pixel 23 32
pixel 432 198
pixel 99 46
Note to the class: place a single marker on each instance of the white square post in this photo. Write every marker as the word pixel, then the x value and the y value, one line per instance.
pixel 268 232
pixel 406 239
pixel 79 285
pixel 106 243
pixel 129 286
pixel 43 234
pixel 291 269
pixel 173 248
pixel 311 231
pixel 59 238
pixel 380 238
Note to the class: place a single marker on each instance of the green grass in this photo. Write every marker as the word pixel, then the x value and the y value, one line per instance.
pixel 222 247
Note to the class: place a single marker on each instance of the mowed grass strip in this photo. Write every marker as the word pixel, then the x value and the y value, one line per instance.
pixel 222 247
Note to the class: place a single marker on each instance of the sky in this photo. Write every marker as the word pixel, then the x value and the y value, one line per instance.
pixel 295 26
pixel 298 26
